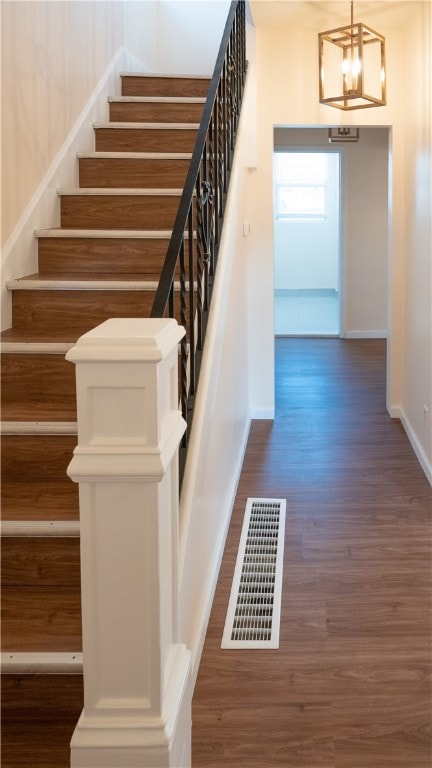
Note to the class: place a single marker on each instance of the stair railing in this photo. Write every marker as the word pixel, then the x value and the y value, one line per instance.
pixel 185 287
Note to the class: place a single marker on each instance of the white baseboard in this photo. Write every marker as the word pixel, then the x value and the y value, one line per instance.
pixel 263 413
pixel 42 663
pixel 364 335
pixel 199 639
pixel 19 255
pixel 397 412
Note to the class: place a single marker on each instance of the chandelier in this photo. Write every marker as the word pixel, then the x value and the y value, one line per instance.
pixel 352 67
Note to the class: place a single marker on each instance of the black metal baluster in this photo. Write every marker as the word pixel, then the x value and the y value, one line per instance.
pixel 171 302
pixel 200 266
pixel 225 125
pixel 192 289
pixel 184 341
pixel 212 202
pixel 216 181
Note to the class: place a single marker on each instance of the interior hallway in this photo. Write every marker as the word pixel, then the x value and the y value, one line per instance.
pixel 306 313
pixel 349 685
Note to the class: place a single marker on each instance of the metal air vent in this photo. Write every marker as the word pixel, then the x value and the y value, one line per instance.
pixel 253 616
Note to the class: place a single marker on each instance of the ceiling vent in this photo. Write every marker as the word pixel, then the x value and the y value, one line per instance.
pixel 253 616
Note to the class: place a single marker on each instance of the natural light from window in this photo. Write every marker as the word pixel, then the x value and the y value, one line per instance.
pixel 301 185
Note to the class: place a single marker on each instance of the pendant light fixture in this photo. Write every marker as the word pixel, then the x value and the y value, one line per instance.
pixel 352 67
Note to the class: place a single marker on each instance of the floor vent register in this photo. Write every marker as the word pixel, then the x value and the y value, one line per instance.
pixel 253 616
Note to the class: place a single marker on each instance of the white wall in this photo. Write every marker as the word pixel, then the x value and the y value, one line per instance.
pixel 189 34
pixel 287 94
pixel 53 55
pixel 140 32
pixel 306 252
pixel 366 247
pixel 175 36
pixel 417 345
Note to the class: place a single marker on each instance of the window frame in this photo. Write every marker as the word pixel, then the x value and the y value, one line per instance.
pixel 317 216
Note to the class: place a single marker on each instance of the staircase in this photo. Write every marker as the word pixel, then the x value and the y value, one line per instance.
pixel 103 261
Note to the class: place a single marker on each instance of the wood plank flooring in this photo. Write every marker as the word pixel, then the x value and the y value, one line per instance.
pixel 349 686
pixel 39 719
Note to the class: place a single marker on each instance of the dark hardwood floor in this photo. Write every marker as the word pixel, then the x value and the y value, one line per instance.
pixel 39 714
pixel 349 686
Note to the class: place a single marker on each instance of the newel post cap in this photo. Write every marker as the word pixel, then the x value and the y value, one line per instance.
pixel 138 339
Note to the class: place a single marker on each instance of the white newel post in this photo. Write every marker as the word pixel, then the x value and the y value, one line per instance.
pixel 137 711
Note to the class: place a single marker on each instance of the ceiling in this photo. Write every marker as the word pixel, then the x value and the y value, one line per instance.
pixel 317 14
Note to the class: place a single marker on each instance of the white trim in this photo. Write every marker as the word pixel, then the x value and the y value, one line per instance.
pixel 19 255
pixel 165 76
pixel 44 528
pixel 39 428
pixel 157 99
pixel 394 411
pixel 109 192
pixel 26 284
pixel 129 739
pixel 199 638
pixel 106 233
pixel 364 335
pixel 62 153
pixel 397 412
pixel 307 335
pixel 35 348
pixel 263 413
pixel 134 155
pixel 147 126
pixel 42 663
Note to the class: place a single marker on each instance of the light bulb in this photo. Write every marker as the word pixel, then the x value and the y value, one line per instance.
pixel 351 67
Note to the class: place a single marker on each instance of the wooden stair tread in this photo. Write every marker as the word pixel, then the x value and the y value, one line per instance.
pixel 104 171
pixel 138 137
pixel 40 561
pixel 41 618
pixel 37 385
pixel 55 335
pixel 164 76
pixel 56 410
pixel 94 281
pixel 77 310
pixel 48 495
pixel 134 126
pixel 60 232
pixel 39 715
pixel 131 156
pixel 144 109
pixel 41 500
pixel 133 192
pixel 145 84
pixel 156 99
pixel 101 208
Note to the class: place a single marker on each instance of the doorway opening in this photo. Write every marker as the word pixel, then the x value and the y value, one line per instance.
pixel 307 242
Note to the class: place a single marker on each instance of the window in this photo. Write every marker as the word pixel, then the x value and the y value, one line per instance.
pixel 301 185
